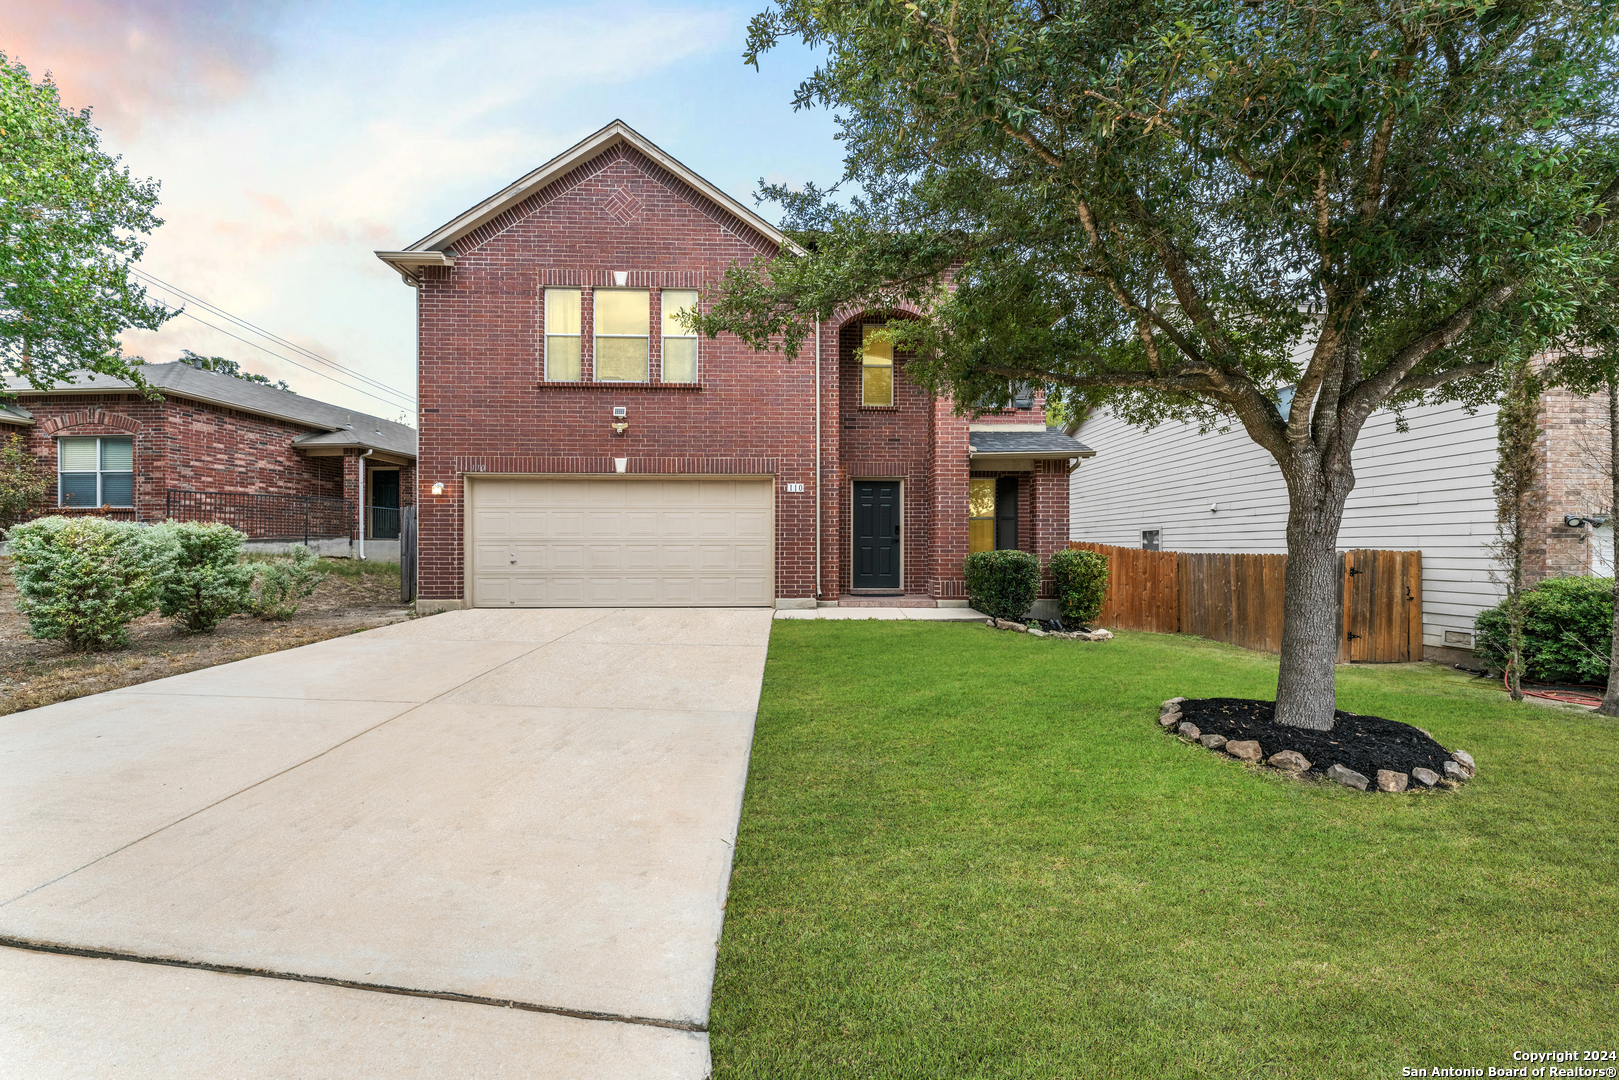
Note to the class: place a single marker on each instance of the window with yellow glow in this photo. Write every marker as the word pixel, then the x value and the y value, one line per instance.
pixel 562 335
pixel 876 368
pixel 623 327
pixel 980 515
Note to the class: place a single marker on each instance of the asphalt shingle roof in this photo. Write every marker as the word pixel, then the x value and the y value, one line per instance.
pixel 1048 443
pixel 183 380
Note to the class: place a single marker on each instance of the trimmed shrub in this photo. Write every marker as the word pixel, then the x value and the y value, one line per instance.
pixel 82 581
pixel 1081 581
pixel 1002 584
pixel 284 582
pixel 1567 631
pixel 207 581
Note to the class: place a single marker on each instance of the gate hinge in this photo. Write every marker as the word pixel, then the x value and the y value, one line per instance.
pixel 1353 636
pixel 1353 570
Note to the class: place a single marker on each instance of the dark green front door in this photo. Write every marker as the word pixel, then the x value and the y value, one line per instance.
pixel 876 534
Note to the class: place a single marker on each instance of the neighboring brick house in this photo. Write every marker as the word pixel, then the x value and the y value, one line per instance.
pixel 112 447
pixel 578 448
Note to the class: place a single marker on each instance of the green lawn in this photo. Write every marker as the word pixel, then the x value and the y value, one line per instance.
pixel 967 853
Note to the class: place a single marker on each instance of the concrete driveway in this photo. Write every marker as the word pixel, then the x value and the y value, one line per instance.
pixel 484 843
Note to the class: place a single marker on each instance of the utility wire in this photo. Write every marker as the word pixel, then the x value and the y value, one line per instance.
pixel 359 390
pixel 255 329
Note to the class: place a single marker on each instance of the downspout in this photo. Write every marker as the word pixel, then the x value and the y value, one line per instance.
pixel 817 462
pixel 361 500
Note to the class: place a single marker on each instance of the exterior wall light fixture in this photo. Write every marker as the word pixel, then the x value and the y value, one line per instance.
pixel 438 487
pixel 621 422
pixel 1574 521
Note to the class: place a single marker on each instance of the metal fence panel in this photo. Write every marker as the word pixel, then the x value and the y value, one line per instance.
pixel 266 517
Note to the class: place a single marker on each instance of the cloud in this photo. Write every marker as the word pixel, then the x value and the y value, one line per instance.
pixel 130 59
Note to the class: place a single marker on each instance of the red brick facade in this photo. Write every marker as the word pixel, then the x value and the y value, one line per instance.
pixel 486 407
pixel 188 445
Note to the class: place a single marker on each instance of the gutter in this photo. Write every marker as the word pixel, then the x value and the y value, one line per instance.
pixel 361 501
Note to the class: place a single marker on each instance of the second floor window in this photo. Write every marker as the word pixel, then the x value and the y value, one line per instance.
pixel 95 472
pixel 876 368
pixel 562 325
pixel 623 326
pixel 679 343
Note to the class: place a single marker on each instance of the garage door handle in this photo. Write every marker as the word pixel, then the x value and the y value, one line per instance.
pixel 514 558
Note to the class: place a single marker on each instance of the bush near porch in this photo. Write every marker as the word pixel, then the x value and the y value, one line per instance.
pixel 971 854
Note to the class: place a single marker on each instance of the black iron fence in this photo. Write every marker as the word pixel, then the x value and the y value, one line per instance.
pixel 267 517
pixel 384 522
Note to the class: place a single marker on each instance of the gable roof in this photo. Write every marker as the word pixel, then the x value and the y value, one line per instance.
pixel 183 380
pixel 435 249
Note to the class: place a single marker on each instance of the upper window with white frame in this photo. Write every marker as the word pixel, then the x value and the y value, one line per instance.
pixel 623 319
pixel 562 336
pixel 679 342
pixel 95 471
pixel 876 367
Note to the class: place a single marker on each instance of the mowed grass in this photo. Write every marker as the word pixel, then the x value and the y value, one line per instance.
pixel 966 853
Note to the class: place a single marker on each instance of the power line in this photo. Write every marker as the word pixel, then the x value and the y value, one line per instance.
pixel 392 404
pixel 255 329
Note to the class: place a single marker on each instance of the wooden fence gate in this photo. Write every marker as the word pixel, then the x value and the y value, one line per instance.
pixel 1238 598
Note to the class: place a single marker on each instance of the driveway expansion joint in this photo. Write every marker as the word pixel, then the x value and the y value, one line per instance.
pixel 347 984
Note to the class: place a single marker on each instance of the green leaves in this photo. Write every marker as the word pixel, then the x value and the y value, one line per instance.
pixel 72 223
pixel 1160 203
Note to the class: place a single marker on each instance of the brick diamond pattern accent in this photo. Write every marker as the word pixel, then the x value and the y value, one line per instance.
pixel 624 207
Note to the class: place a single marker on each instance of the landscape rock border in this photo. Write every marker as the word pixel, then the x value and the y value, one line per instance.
pixel 1459 768
pixel 1035 631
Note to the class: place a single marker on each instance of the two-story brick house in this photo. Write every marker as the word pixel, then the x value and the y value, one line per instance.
pixel 579 447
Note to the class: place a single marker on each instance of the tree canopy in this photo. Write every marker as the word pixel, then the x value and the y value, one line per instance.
pixel 72 222
pixel 1185 208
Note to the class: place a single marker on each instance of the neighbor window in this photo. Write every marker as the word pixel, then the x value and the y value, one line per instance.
pixel 876 368
pixel 562 335
pixel 1150 539
pixel 95 472
pixel 679 343
pixel 980 515
pixel 623 326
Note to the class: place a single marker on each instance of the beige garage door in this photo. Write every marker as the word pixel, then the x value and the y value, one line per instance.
pixel 631 542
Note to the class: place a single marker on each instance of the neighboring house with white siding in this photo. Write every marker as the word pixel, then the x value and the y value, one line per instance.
pixel 1427 488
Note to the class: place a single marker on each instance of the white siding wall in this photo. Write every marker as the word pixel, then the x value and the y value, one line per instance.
pixel 1426 489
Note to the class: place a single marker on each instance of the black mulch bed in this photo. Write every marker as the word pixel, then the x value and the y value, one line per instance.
pixel 1362 743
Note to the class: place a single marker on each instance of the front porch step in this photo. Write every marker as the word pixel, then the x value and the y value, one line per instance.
pixel 866 600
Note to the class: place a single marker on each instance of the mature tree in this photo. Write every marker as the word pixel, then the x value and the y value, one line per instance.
pixel 1520 515
pixel 1182 208
pixel 229 367
pixel 71 226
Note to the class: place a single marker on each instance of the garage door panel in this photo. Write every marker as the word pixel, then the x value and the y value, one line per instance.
pixel 665 542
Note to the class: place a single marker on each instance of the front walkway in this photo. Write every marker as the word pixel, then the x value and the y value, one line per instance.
pixel 484 843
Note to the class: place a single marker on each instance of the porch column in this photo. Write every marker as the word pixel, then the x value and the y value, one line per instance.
pixel 1049 515
pixel 354 487
pixel 949 525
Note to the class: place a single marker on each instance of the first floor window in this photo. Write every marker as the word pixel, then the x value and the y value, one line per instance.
pixel 1150 539
pixel 980 515
pixel 876 367
pixel 623 320
pixel 679 343
pixel 95 472
pixel 992 514
pixel 562 363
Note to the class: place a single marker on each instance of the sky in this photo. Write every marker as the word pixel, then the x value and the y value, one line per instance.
pixel 291 140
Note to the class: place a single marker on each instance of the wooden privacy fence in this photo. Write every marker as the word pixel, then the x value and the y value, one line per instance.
pixel 1238 598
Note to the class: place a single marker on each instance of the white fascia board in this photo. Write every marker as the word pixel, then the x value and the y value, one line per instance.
pixel 590 147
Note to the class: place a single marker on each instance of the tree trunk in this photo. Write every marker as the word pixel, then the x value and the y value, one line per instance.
pixel 1306 696
pixel 1610 699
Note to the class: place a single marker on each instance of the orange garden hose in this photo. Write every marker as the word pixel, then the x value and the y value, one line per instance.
pixel 1568 697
